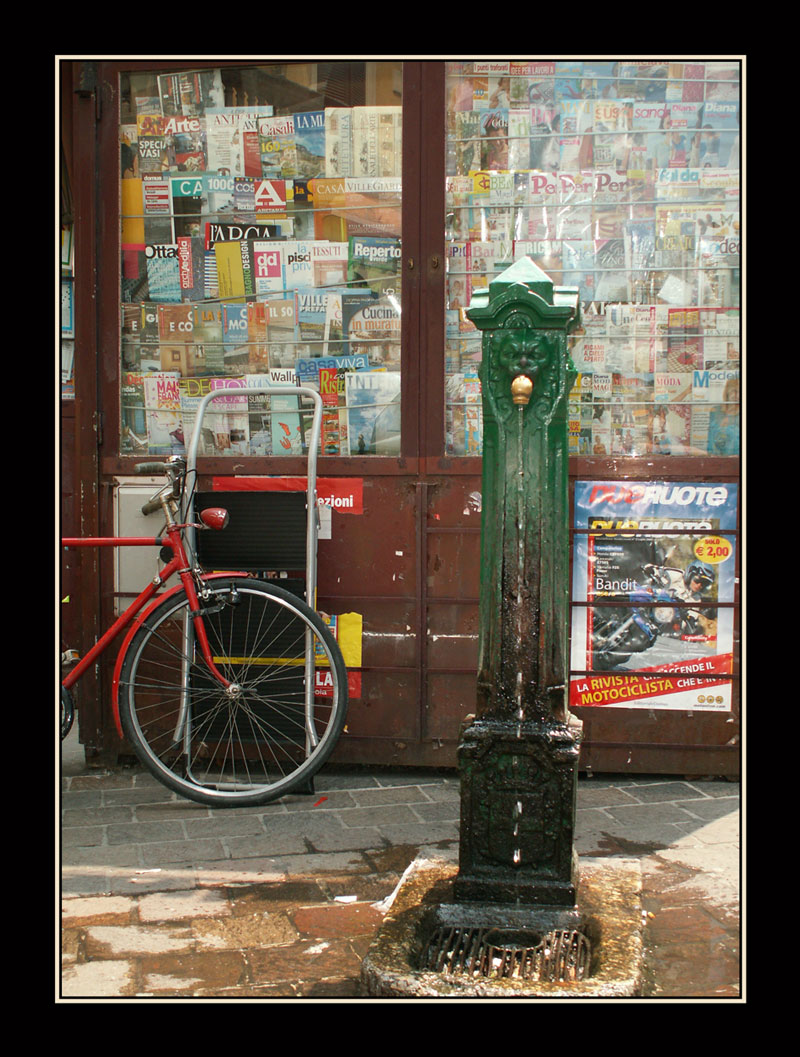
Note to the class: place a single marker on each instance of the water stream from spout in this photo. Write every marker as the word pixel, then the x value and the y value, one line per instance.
pixel 520 621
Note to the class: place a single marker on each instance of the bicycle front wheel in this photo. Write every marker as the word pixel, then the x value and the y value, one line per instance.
pixel 262 737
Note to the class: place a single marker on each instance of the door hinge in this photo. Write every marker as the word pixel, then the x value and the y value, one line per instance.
pixel 98 427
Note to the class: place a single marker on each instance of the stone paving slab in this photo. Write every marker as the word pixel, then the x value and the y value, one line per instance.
pixel 164 898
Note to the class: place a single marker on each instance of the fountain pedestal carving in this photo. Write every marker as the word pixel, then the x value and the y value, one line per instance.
pixel 518 758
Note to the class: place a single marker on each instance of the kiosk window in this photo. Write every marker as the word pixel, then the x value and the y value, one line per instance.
pixel 260 235
pixel 621 179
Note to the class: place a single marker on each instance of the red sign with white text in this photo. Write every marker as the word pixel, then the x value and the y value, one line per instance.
pixel 345 494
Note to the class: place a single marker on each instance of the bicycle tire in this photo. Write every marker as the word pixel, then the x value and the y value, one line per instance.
pixel 67 712
pixel 209 746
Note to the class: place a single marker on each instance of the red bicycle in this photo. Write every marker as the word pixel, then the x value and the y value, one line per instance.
pixel 231 690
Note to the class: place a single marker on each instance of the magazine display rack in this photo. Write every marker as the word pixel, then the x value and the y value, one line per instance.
pixel 312 512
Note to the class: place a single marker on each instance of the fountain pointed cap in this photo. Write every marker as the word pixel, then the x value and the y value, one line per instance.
pixel 524 288
pixel 524 272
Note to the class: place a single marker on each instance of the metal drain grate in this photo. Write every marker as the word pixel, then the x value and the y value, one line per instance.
pixel 562 955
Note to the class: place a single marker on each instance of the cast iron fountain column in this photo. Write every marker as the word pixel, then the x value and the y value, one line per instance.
pixel 518 758
pixel 520 922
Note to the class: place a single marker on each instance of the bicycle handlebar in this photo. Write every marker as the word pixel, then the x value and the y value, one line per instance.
pixel 151 507
pixel 174 470
pixel 151 467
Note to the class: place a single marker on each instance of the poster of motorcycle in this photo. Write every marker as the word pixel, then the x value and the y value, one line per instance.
pixel 653 569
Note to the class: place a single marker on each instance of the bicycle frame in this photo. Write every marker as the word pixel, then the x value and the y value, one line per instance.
pixel 178 564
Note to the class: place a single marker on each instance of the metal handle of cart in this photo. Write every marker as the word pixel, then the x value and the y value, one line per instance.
pixel 312 511
pixel 312 525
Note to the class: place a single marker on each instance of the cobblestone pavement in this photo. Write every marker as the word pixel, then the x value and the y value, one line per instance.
pixel 162 898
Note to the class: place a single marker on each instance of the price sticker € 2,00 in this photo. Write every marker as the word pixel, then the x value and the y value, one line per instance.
pixel 713 549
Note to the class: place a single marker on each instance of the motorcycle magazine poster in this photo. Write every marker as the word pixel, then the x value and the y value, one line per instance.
pixel 653 566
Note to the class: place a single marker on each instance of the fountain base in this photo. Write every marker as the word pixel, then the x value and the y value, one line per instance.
pixel 591 950
pixel 519 786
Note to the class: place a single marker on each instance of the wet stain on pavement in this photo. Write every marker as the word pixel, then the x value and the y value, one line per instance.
pixel 611 844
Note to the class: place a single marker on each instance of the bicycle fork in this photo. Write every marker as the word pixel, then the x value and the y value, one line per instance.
pixel 194 631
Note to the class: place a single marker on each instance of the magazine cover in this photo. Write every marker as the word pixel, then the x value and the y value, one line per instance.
pixel 190 92
pixel 463 414
pixel 372 207
pixel 685 82
pixel 544 149
pixel 236 352
pixel 373 411
pixel 354 304
pixel 338 141
pixel 232 279
pixel 232 140
pixel 153 143
pixel 309 137
pixel 538 85
pixel 268 266
pixel 163 413
pixel 575 129
pixel 277 146
pixel 719 143
pixel 260 197
pixel 334 421
pixel 519 135
pixel 329 261
pixel 376 133
pixel 163 273
pixel 659 557
pixel 275 346
pixel 375 262
pixel 468 141
pixel 274 421
pixel 723 80
pixel 224 430
pixel 311 309
pixel 612 121
pixel 298 270
pixel 494 139
pixel 578 258
pixel 716 426
pixel 259 417
pixel 133 425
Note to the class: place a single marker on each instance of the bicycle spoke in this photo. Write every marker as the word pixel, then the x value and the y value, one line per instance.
pixel 255 739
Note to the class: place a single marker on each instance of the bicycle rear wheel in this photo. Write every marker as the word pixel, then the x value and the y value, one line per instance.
pixel 67 712
pixel 269 734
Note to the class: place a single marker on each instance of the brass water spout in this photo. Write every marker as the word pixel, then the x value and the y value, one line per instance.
pixel 521 389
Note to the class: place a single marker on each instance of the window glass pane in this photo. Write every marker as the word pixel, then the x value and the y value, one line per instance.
pixel 621 179
pixel 260 234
